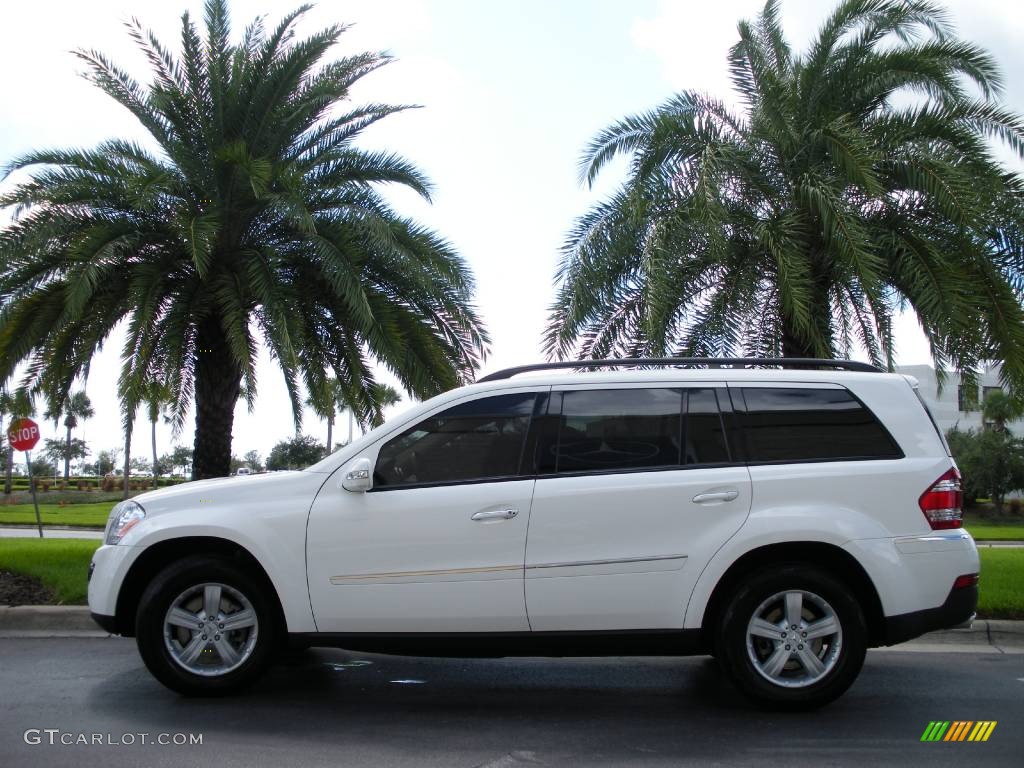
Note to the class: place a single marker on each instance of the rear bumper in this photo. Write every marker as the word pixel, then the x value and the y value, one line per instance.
pixel 958 609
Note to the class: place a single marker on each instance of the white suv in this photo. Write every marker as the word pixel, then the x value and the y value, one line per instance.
pixel 782 519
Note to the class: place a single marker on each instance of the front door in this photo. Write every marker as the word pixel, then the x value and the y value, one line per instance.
pixel 636 492
pixel 438 544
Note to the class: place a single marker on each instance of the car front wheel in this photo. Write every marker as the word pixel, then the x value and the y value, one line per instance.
pixel 792 637
pixel 204 626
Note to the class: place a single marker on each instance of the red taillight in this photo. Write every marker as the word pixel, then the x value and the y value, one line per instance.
pixel 943 503
pixel 967 580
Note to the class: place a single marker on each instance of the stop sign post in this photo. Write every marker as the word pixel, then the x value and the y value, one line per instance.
pixel 23 435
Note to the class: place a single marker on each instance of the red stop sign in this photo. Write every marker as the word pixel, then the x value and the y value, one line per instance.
pixel 23 434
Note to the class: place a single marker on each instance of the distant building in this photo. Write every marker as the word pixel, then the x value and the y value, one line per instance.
pixel 957 404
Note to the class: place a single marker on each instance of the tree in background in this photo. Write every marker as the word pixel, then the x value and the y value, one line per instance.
pixel 258 218
pixel 42 467
pixel 991 462
pixel 6 408
pixel 72 407
pixel 854 180
pixel 164 465
pixel 65 451
pixel 129 410
pixel 999 408
pixel 387 396
pixel 297 453
pixel 181 457
pixel 157 397
pixel 106 461
pixel 252 460
pixel 324 403
pixel 141 466
pixel 337 396
pixel 17 404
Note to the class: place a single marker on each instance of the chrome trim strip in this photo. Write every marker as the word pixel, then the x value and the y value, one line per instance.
pixel 413 574
pixel 356 577
pixel 613 561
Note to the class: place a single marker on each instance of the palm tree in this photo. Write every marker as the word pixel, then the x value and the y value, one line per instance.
pixel 854 180
pixel 258 219
pixel 73 407
pixel 156 396
pixel 999 408
pixel 336 396
pixel 325 405
pixel 17 404
pixel 386 396
pixel 129 408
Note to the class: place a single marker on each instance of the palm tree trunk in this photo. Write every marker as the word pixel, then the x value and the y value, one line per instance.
pixel 330 433
pixel 127 458
pixel 350 420
pixel 156 478
pixel 218 381
pixel 10 471
pixel 8 459
pixel 67 457
pixel 792 344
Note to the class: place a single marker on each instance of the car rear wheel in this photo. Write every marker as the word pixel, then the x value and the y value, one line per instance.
pixel 793 637
pixel 205 627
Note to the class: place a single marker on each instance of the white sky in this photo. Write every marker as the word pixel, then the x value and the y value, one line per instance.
pixel 512 91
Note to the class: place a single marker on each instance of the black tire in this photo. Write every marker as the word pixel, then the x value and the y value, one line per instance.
pixel 735 656
pixel 172 582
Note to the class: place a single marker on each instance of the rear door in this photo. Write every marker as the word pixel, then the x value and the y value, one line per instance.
pixel 636 490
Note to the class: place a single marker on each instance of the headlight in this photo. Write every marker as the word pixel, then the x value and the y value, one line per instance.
pixel 123 517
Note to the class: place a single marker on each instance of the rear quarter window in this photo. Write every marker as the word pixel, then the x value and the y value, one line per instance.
pixel 781 424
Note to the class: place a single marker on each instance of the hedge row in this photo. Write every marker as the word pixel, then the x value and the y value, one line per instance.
pixel 104 484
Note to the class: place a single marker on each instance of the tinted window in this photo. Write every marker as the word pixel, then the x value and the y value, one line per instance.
pixel 811 424
pixel 471 441
pixel 618 429
pixel 704 438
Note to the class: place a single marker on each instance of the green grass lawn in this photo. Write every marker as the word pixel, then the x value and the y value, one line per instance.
pixel 988 530
pixel 1001 589
pixel 89 515
pixel 61 564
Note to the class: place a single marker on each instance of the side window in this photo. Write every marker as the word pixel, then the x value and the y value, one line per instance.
pixel 477 440
pixel 704 436
pixel 607 430
pixel 811 425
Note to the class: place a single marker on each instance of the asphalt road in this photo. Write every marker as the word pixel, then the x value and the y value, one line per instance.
pixel 332 708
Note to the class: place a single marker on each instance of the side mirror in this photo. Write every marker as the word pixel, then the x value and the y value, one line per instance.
pixel 358 478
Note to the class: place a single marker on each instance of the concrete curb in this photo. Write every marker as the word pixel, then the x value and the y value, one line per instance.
pixel 48 618
pixel 986 636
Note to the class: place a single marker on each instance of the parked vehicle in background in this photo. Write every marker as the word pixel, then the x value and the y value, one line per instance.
pixel 783 519
pixel 243 471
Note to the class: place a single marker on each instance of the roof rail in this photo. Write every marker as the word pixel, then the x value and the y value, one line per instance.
pixel 686 362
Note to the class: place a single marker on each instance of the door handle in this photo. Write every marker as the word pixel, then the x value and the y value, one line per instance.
pixel 711 496
pixel 495 514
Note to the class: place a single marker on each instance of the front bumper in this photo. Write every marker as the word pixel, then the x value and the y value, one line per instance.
pixel 958 610
pixel 107 571
pixel 107 623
